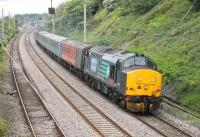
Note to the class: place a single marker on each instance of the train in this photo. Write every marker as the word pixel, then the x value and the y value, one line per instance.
pixel 127 78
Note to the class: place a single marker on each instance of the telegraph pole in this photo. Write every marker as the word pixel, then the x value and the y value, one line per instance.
pixel 85 21
pixel 9 22
pixel 53 23
pixel 3 5
pixel 52 12
pixel 2 24
pixel 14 21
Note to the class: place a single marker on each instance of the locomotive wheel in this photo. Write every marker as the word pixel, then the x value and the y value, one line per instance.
pixel 115 97
pixel 86 78
pixel 110 95
pixel 92 84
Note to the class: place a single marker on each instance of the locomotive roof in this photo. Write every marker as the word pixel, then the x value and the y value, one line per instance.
pixel 119 54
pixel 57 38
pixel 112 55
pixel 99 49
pixel 43 32
pixel 53 36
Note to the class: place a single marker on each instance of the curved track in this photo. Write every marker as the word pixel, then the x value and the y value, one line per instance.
pixel 39 118
pixel 177 130
pixel 95 118
pixel 91 114
pixel 185 108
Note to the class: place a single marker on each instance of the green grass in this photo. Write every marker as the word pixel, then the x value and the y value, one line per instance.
pixel 177 57
pixel 2 62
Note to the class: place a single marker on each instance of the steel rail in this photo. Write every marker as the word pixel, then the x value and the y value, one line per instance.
pixel 178 129
pixel 182 105
pixel 66 99
pixel 75 91
pixel 26 76
pixel 18 90
pixel 41 99
pixel 159 132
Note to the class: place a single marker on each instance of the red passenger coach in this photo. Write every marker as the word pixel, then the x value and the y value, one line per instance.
pixel 68 53
pixel 72 52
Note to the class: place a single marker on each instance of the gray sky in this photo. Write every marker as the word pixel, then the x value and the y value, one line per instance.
pixel 27 6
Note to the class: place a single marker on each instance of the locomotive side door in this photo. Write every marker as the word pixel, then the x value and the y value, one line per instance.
pixel 85 61
pixel 118 74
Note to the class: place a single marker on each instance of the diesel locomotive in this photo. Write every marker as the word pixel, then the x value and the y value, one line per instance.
pixel 128 78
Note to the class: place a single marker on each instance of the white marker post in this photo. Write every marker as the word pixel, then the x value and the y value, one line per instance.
pixel 9 22
pixel 14 20
pixel 53 23
pixel 2 24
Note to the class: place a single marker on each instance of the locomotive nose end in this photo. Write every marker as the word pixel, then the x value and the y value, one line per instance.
pixel 144 82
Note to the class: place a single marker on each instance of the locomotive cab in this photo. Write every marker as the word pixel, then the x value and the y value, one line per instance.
pixel 141 83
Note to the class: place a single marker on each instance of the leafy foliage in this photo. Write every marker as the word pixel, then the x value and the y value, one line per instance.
pixel 131 6
pixel 70 14
pixel 7 37
pixel 142 6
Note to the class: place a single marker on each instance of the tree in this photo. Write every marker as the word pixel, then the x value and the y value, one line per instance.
pixel 143 6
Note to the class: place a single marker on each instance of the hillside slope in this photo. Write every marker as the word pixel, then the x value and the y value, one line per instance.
pixel 168 32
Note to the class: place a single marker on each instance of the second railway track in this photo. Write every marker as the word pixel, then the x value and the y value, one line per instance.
pixel 92 115
pixel 39 118
pixel 184 108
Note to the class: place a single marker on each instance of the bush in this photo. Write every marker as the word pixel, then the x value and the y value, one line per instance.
pixel 143 6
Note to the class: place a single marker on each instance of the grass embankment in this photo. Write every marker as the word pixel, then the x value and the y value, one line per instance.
pixel 8 35
pixel 176 51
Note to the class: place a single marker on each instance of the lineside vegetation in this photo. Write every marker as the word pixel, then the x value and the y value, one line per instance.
pixel 8 35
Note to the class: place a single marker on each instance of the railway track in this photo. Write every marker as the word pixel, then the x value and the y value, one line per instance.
pixel 176 129
pixel 185 108
pixel 172 130
pixel 90 114
pixel 39 118
pixel 96 119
